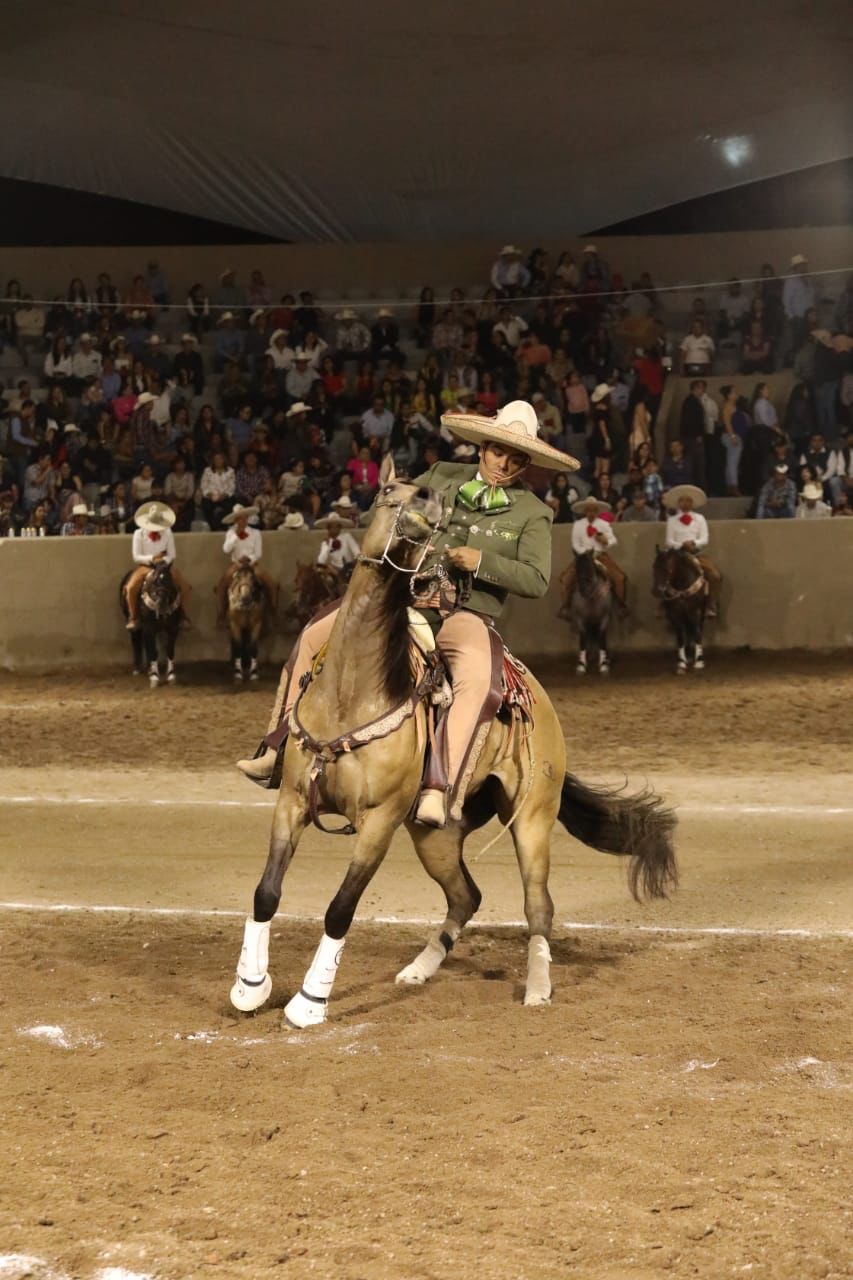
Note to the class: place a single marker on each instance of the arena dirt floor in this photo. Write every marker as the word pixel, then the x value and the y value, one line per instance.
pixel 682 1108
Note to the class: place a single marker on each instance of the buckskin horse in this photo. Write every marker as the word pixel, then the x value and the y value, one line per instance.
pixel 356 748
pixel 589 609
pixel 678 581
pixel 159 622
pixel 246 606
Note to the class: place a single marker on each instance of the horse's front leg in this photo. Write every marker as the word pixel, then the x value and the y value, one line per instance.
pixel 236 660
pixel 253 984
pixel 375 829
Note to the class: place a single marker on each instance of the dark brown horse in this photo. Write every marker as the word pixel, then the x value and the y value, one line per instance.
pixel 313 587
pixel 155 638
pixel 356 748
pixel 590 606
pixel 678 581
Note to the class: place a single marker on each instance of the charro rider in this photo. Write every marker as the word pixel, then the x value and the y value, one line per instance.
pixel 494 540
pixel 153 543
pixel 591 533
pixel 244 545
pixel 688 529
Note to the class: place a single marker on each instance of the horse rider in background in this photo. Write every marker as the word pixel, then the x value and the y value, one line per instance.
pixel 153 543
pixel 590 532
pixel 244 545
pixel 339 549
pixel 493 540
pixel 687 530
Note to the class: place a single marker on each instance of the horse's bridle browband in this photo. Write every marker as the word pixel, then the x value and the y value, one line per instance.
pixel 397 532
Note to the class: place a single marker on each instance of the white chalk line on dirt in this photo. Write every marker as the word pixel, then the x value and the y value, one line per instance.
pixel 787 810
pixel 725 931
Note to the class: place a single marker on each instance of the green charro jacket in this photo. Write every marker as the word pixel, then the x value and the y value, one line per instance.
pixel 515 542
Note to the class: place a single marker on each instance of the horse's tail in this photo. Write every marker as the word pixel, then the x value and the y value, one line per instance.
pixel 638 826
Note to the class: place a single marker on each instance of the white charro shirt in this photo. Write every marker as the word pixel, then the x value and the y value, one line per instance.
pixel 679 530
pixel 583 540
pixel 344 553
pixel 241 546
pixel 148 545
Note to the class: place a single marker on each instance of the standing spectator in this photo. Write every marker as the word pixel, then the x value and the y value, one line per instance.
pixel 577 403
pixel 229 295
pixel 778 497
pixel 797 298
pixel 229 342
pixel 425 317
pixel 697 351
pixel 259 293
pixel 828 368
pixel 509 275
pixel 307 315
pixel 198 310
pixel 692 431
pixel 734 307
pixel 641 425
pixel 155 283
pixel 732 442
pixel 29 324
pixel 549 418
pixel 817 457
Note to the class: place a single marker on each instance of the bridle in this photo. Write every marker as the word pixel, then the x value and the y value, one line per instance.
pixel 396 534
pixel 669 592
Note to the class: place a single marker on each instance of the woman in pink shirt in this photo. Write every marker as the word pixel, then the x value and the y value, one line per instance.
pixel 487 396
pixel 365 476
pixel 577 403
pixel 124 403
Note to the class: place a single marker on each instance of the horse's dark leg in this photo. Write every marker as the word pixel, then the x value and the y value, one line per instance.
pixel 171 641
pixel 138 651
pixel 698 650
pixel 237 657
pixel 252 638
pixel 440 851
pixel 253 984
pixel 582 625
pixel 149 640
pixel 603 652
pixel 375 829
pixel 682 637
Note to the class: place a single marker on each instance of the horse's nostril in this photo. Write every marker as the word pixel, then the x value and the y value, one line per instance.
pixel 423 493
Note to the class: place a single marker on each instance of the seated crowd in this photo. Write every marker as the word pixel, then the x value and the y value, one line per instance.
pixel 286 408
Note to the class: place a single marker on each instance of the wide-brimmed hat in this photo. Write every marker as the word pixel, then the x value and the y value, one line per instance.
pixel 301 357
pixel 344 501
pixel 579 507
pixel 346 314
pixel 237 511
pixel 85 337
pixel 189 337
pixel 145 398
pixel 325 521
pixel 385 313
pixel 226 315
pixel 229 271
pixel 516 426
pixel 154 340
pixel 299 406
pixel 294 520
pixel 256 315
pixel 69 427
pixel 510 250
pixel 603 389
pixel 798 260
pixel 154 516
pixel 590 248
pixel 673 497
pixel 278 333
pixel 813 492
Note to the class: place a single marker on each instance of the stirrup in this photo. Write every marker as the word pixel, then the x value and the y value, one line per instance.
pixel 263 776
pixel 432 809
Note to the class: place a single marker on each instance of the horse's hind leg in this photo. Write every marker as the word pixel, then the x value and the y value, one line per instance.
pixel 253 984
pixel 375 829
pixel 236 660
pixel 440 851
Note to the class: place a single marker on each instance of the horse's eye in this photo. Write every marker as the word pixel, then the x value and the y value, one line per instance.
pixel 389 488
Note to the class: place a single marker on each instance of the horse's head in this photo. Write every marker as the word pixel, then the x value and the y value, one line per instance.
pixel 159 592
pixel 662 571
pixel 243 589
pixel 405 519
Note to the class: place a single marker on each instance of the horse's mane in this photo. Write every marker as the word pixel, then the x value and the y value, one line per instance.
pixel 397 673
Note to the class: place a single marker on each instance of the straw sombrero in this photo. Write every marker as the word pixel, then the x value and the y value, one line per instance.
pixel 294 520
pixel 154 516
pixel 341 520
pixel 239 510
pixel 515 426
pixel 686 491
pixel 579 507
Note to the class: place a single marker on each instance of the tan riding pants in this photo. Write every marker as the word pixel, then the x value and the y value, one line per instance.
pixel 465 646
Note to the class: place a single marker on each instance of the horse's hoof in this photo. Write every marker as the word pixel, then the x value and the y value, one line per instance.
pixel 604 671
pixel 681 671
pixel 580 670
pixel 699 665
pixel 253 675
pixel 153 682
pixel 411 976
pixel 536 1000
pixel 302 1012
pixel 238 677
pixel 246 997
pixel 136 672
pixel 171 678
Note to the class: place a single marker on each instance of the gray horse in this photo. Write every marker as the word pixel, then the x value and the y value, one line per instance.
pixel 589 612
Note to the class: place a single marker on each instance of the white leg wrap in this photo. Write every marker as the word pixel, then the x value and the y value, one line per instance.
pixel 538 989
pixel 429 961
pixel 308 1007
pixel 253 985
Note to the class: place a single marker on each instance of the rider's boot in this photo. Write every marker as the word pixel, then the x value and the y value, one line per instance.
pixel 132 624
pixel 260 767
pixel 432 809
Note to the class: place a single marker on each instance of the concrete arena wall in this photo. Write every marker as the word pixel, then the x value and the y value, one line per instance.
pixel 787 585
pixel 380 269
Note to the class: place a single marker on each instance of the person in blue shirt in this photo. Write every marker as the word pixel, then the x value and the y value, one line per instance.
pixel 229 342
pixel 778 497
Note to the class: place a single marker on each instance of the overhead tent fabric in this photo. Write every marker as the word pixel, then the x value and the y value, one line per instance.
pixel 418 121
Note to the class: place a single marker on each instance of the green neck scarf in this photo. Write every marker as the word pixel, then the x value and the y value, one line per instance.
pixel 478 495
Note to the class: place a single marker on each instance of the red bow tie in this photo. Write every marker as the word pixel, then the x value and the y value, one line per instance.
pixel 243 534
pixel 591 530
pixel 336 544
pixel 155 537
pixel 686 518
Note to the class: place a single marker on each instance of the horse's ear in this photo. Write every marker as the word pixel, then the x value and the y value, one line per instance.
pixel 387 472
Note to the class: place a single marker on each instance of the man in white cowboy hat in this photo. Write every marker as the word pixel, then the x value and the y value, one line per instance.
pixel 80 524
pixel 295 521
pixel 300 379
pixel 591 533
pixel 798 297
pixel 153 543
pixel 385 337
pixel 86 361
pixel 229 341
pixel 244 544
pixel 509 275
pixel 812 506
pixel 494 540
pixel 156 358
pixel 339 549
pixel 280 350
pixel 688 530
pixel 352 338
